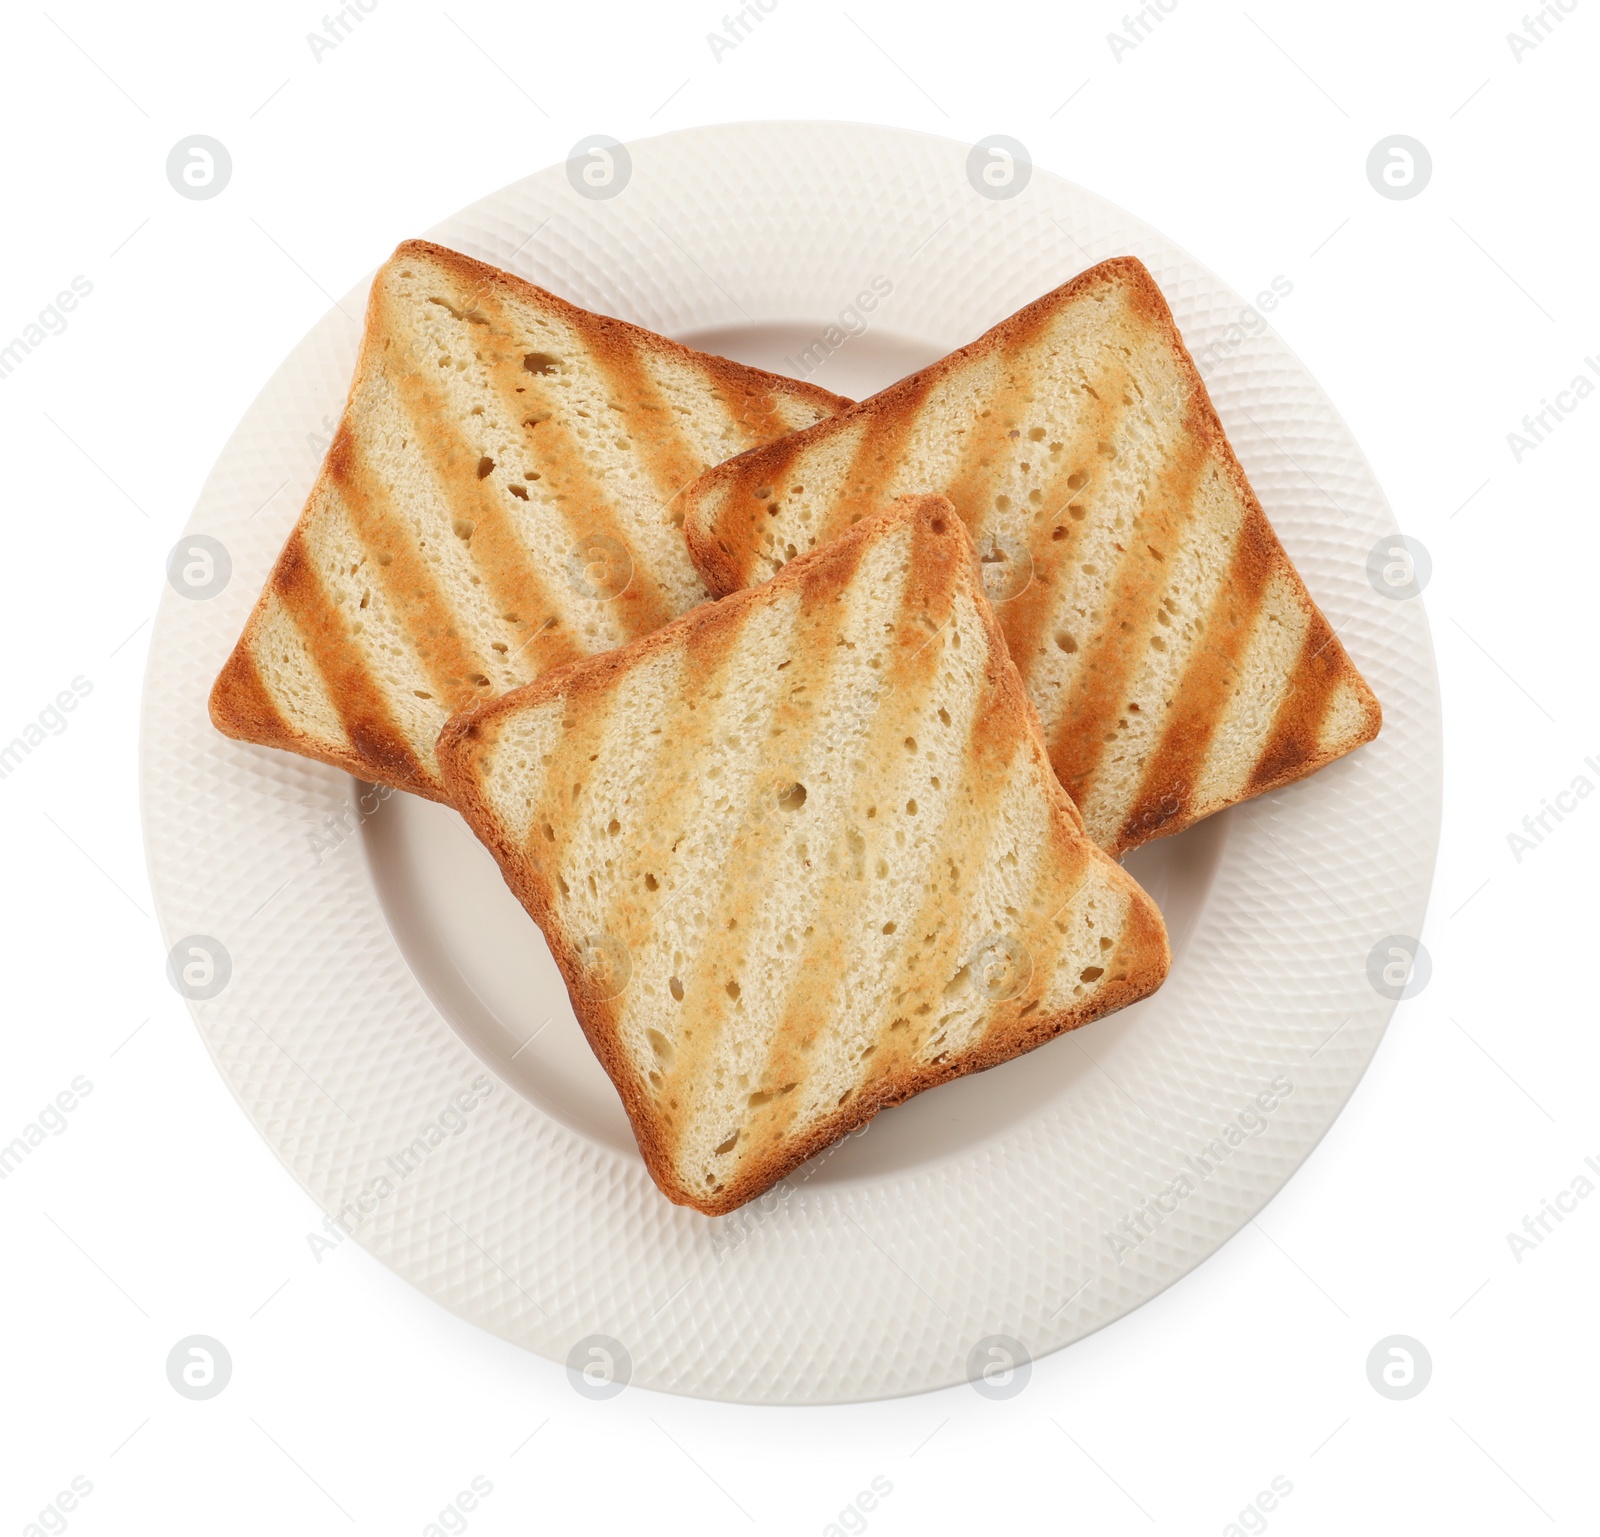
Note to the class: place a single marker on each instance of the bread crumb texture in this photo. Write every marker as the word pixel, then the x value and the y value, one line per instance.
pixel 502 495
pixel 801 855
pixel 1177 661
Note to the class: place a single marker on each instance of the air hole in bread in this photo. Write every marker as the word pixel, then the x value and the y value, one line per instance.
pixel 541 362
pixel 793 798
pixel 1066 642
pixel 520 492
pixel 675 987
pixel 485 467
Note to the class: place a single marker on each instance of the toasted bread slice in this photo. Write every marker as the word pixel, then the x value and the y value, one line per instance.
pixel 1176 659
pixel 800 855
pixel 501 496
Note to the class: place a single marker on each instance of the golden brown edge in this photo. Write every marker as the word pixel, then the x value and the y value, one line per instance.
pixel 725 369
pixel 1144 929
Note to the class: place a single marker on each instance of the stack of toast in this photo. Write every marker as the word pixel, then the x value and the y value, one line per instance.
pixel 808 731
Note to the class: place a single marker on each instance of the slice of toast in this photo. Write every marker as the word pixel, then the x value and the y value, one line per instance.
pixel 801 855
pixel 501 496
pixel 1176 659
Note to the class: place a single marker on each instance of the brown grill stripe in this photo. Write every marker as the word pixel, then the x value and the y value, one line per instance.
pixel 1142 932
pixel 1025 618
pixel 1063 869
pixel 753 406
pixel 1098 696
pixel 498 553
pixel 669 458
pixel 737 531
pixel 566 472
pixel 633 913
pixel 744 870
pixel 1297 727
pixel 409 584
pixel 357 696
pixel 937 566
pixel 585 719
pixel 938 933
pixel 989 446
pixel 1201 697
pixel 241 705
pixel 876 461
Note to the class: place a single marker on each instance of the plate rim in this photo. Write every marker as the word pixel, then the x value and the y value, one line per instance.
pixel 922 1377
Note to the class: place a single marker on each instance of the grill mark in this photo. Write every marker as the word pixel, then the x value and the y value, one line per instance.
pixel 753 408
pixel 1142 932
pixel 243 706
pixel 585 704
pixel 357 696
pixel 1025 619
pixel 1100 683
pixel 1058 880
pixel 740 512
pixel 496 550
pixel 705 999
pixel 669 459
pixel 581 503
pixel 1297 727
pixel 1167 787
pixel 408 582
pixel 936 568
pixel 632 913
pixel 876 460
pixel 987 449
pixel 939 928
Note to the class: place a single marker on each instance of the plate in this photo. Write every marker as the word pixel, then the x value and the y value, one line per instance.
pixel 393 1025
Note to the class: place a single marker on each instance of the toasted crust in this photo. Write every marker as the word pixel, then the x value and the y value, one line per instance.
pixel 994 798
pixel 468 504
pixel 984 418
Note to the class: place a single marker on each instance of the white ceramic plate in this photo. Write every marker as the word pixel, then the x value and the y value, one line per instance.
pixel 394 1026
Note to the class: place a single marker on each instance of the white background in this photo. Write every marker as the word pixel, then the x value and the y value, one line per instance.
pixel 1435 324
